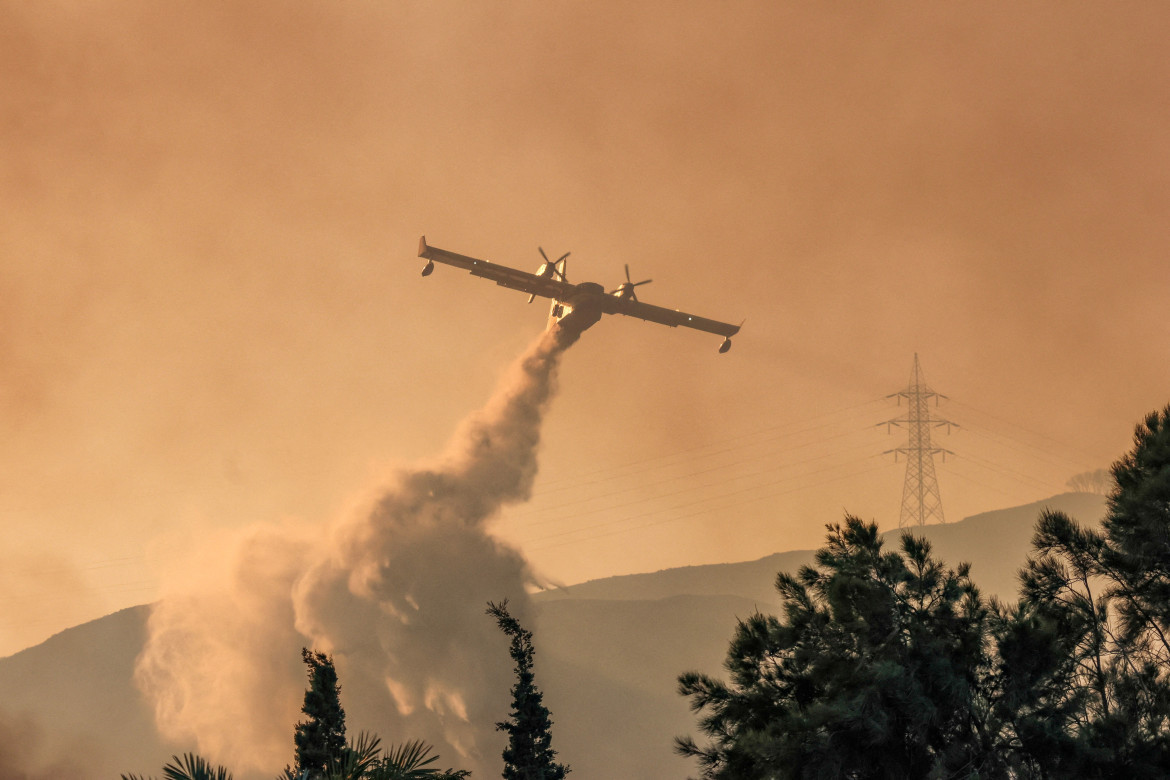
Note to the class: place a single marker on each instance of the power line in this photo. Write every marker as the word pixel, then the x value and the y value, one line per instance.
pixel 700 452
pixel 768 468
pixel 679 518
pixel 1062 446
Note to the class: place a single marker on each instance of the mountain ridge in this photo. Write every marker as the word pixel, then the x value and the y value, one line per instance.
pixel 608 655
pixel 1015 525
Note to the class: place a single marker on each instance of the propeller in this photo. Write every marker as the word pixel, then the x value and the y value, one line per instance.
pixel 627 289
pixel 557 268
pixel 557 265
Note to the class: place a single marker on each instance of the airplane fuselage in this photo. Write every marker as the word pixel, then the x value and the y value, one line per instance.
pixel 579 310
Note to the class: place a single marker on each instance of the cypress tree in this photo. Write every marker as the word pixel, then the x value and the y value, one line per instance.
pixel 529 754
pixel 321 737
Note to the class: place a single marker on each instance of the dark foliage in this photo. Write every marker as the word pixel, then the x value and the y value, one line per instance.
pixel 189 767
pixel 320 738
pixel 1085 665
pixel 529 754
pixel 876 671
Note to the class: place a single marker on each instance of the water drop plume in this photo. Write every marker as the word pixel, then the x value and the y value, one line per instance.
pixel 395 592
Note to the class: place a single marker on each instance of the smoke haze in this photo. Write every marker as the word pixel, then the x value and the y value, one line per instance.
pixel 20 754
pixel 213 208
pixel 395 593
pixel 38 588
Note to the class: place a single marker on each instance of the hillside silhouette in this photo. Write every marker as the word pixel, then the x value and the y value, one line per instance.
pixel 609 652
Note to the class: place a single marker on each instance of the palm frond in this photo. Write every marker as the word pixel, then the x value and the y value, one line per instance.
pixel 193 767
pixel 408 761
pixel 359 760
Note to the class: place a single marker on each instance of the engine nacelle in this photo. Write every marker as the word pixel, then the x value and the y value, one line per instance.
pixel 428 268
pixel 726 345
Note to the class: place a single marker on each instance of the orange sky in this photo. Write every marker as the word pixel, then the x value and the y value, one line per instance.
pixel 211 314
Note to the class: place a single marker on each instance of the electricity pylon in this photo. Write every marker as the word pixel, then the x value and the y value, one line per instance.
pixel 920 499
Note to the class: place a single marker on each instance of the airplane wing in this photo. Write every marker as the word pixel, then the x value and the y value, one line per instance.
pixel 672 317
pixel 500 274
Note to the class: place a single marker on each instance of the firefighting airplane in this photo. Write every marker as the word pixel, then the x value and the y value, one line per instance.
pixel 574 306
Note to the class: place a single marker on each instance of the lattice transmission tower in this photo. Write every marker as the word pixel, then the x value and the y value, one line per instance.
pixel 920 498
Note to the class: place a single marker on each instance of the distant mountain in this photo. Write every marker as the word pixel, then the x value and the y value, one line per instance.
pixel 994 543
pixel 75 693
pixel 608 654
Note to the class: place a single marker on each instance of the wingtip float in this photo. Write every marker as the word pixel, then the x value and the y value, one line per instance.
pixel 575 307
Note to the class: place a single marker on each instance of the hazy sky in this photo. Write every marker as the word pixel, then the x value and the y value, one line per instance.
pixel 211 313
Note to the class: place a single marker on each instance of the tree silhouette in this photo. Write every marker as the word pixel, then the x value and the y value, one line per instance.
pixel 1085 656
pixel 320 738
pixel 529 754
pixel 877 670
pixel 189 767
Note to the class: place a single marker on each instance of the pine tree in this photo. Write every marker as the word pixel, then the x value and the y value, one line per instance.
pixel 320 738
pixel 1085 657
pixel 529 754
pixel 878 669
pixel 1138 529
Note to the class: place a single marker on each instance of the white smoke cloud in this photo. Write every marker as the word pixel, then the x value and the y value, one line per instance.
pixel 395 593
